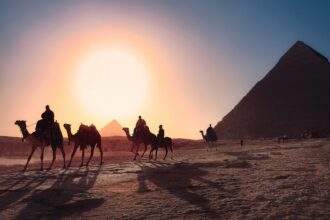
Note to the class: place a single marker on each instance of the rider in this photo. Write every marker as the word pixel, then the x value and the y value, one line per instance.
pixel 160 135
pixel 48 116
pixel 210 132
pixel 48 121
pixel 140 126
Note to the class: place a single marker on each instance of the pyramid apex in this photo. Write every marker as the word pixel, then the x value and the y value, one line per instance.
pixel 300 47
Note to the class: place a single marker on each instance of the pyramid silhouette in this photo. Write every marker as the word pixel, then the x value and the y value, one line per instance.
pixel 113 128
pixel 292 97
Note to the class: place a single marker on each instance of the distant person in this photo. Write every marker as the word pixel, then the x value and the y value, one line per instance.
pixel 45 126
pixel 48 115
pixel 160 135
pixel 139 126
pixel 242 142
pixel 210 133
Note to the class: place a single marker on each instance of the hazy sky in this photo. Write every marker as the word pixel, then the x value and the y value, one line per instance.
pixel 200 57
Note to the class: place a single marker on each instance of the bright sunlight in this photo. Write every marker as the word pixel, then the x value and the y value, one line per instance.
pixel 111 83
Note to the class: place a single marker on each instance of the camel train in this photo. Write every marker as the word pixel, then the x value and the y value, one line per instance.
pixel 84 137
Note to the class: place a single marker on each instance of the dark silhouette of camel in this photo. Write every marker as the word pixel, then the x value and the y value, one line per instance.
pixel 85 136
pixel 210 141
pixel 167 143
pixel 56 142
pixel 147 139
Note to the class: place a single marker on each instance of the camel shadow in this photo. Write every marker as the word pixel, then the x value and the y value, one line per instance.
pixel 12 194
pixel 67 196
pixel 183 180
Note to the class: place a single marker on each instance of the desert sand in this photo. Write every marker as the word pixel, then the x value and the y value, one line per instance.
pixel 261 180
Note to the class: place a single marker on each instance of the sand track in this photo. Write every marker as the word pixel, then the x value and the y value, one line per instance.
pixel 262 181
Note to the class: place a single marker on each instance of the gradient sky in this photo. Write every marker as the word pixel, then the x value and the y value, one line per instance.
pixel 202 56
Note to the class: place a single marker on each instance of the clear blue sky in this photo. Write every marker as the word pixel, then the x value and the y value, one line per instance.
pixel 220 48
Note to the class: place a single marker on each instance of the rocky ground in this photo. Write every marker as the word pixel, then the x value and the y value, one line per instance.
pixel 261 180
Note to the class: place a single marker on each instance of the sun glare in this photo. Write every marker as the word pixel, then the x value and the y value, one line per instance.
pixel 111 83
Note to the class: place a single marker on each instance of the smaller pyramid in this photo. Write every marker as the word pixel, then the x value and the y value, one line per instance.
pixel 113 128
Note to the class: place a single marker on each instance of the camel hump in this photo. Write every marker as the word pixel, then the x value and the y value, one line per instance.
pixel 88 132
pixel 83 128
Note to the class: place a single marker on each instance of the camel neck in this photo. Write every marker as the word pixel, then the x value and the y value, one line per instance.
pixel 129 137
pixel 70 135
pixel 25 133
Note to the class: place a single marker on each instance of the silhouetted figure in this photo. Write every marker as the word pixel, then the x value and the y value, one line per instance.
pixel 48 115
pixel 160 135
pixel 242 142
pixel 210 133
pixel 139 127
pixel 45 126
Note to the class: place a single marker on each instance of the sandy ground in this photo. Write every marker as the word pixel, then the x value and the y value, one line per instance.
pixel 263 180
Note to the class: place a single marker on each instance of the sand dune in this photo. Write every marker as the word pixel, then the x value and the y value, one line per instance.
pixel 263 180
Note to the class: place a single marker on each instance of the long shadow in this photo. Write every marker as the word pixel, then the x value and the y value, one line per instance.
pixel 67 196
pixel 11 195
pixel 178 180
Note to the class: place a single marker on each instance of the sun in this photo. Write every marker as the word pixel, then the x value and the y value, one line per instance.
pixel 111 83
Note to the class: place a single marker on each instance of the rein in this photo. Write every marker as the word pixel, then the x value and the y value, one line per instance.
pixel 31 124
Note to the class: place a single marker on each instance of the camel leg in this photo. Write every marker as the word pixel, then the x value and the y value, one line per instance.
pixel 101 154
pixel 171 148
pixel 42 158
pixel 166 151
pixel 82 156
pixel 54 157
pixel 73 152
pixel 150 154
pixel 145 149
pixel 63 154
pixel 136 152
pixel 156 153
pixel 29 158
pixel 92 153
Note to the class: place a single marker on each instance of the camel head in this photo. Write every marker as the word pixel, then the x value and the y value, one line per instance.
pixel 202 132
pixel 126 130
pixel 21 124
pixel 68 129
pixel 67 126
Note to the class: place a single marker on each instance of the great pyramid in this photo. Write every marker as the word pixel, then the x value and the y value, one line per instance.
pixel 292 97
pixel 113 128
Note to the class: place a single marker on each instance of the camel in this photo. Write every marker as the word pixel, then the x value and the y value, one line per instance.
pixel 136 141
pixel 210 141
pixel 56 142
pixel 86 135
pixel 150 139
pixel 167 143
